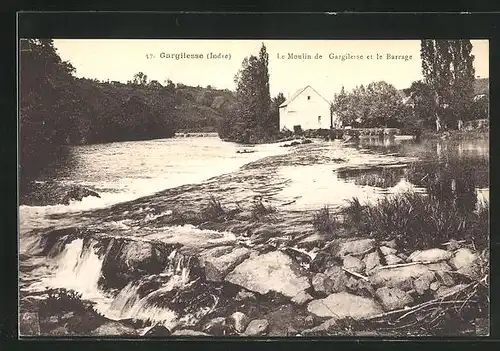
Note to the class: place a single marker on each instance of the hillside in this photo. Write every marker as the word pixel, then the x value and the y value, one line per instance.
pixel 195 108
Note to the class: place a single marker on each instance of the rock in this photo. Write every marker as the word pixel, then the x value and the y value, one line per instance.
pixel 273 271
pixel 309 321
pixel 60 331
pixel 402 277
pixel 257 327
pixel 387 250
pixel 354 264
pixel 322 261
pixel 244 295
pixel 29 324
pixel 444 290
pixel 157 330
pixel 431 255
pixel 466 262
pixel 402 256
pixel 53 320
pixel 219 261
pixel 372 260
pixel 323 329
pixel 342 305
pixel 188 332
pixel 78 193
pixel 67 316
pixel 215 326
pixel 393 298
pixel 302 298
pixel 423 283
pixel 139 255
pixel 291 331
pixel 392 259
pixel 445 278
pixel 356 247
pixel 360 287
pixel 321 283
pixel 389 243
pixel 337 279
pixel 434 285
pixel 239 321
pixel 113 328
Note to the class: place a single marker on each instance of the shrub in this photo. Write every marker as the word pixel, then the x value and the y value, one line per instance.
pixel 62 300
pixel 260 210
pixel 324 221
pixel 418 221
pixel 213 211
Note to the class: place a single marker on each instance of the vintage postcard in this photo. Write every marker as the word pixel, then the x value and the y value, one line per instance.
pixel 253 188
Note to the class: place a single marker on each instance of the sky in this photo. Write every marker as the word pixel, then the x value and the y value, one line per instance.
pixel 332 63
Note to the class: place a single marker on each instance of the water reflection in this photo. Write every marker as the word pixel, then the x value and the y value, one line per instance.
pixel 450 171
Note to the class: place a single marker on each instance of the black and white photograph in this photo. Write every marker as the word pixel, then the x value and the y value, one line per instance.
pixel 196 188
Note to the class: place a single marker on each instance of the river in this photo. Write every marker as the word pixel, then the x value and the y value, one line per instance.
pixel 141 183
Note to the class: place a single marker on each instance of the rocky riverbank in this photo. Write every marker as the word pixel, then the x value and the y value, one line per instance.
pixel 218 283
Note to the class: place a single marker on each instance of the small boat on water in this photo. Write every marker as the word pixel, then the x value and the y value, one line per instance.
pixel 245 151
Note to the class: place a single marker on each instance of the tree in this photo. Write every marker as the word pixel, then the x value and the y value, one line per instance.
pixel 447 66
pixel 252 120
pixel 377 105
pixel 46 100
pixel 140 79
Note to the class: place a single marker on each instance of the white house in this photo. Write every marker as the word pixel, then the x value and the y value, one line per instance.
pixel 306 108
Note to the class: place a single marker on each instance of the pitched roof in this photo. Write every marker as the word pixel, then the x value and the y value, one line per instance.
pixel 297 93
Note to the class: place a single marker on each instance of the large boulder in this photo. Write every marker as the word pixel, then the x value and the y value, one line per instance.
pixel 273 271
pixel 219 261
pixel 431 255
pixel 393 298
pixel 402 277
pixel 342 305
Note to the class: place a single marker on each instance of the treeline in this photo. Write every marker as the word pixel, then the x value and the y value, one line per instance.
pixel 447 96
pixel 57 109
pixel 254 118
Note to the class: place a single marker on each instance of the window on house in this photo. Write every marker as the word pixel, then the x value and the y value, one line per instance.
pixel 308 98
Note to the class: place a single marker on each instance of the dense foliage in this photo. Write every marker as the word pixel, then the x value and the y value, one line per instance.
pixel 378 104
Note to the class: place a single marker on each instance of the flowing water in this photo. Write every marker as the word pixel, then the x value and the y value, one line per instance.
pixel 143 182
